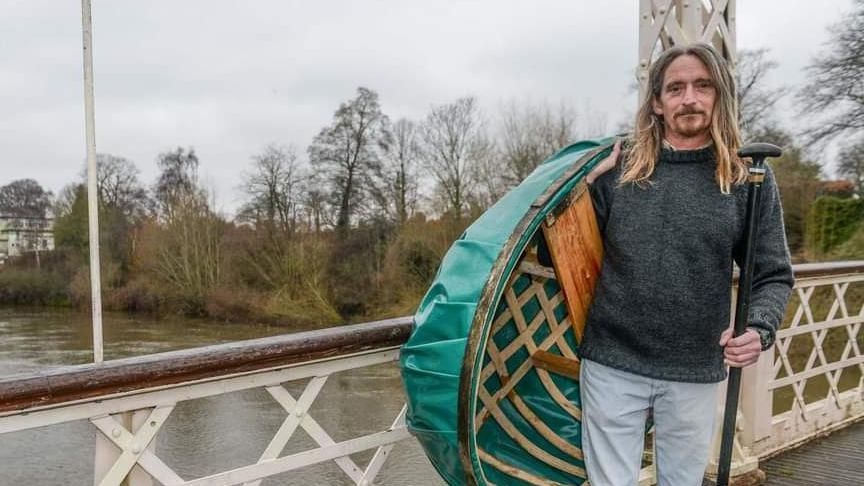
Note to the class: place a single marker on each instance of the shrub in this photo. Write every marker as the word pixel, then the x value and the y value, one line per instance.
pixel 307 305
pixel 233 305
pixel 831 222
pixel 851 249
pixel 138 295
pixel 32 287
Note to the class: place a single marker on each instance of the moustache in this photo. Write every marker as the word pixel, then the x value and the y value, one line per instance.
pixel 690 111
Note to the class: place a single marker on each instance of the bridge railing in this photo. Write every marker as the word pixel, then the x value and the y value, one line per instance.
pixel 812 381
pixel 810 384
pixel 128 401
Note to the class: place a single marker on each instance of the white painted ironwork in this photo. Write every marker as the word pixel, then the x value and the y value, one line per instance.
pixel 761 433
pixel 92 194
pixel 297 413
pixel 377 462
pixel 127 454
pixel 665 23
pixel 107 451
pixel 810 415
pixel 135 446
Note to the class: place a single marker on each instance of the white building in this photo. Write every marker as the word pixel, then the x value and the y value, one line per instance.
pixel 19 236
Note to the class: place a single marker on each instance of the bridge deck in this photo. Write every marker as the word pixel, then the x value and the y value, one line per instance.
pixel 837 459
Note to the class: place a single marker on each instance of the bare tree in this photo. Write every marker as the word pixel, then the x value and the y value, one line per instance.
pixel 396 190
pixel 491 181
pixel 454 141
pixel 348 151
pixel 529 134
pixel 118 185
pixel 66 199
pixel 189 256
pixel 177 185
pixel 318 213
pixel 272 188
pixel 755 99
pixel 851 164
pixel 835 88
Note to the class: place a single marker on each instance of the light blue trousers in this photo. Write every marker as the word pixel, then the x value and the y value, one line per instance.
pixel 615 408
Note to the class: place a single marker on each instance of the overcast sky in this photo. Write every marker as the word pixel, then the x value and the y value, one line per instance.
pixel 227 78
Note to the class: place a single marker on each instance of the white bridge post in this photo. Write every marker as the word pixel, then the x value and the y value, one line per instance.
pixel 666 23
pixel 757 400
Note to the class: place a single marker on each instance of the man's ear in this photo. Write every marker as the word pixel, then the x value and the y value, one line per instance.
pixel 658 107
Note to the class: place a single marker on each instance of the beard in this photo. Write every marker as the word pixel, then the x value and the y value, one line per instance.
pixel 690 126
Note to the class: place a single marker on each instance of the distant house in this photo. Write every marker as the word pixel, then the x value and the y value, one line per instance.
pixel 838 188
pixel 20 236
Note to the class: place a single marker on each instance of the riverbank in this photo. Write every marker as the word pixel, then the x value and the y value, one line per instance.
pixel 46 288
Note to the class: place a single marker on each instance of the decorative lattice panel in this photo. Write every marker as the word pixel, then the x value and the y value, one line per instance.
pixel 666 23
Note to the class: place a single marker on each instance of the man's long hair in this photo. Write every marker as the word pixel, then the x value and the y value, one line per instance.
pixel 649 130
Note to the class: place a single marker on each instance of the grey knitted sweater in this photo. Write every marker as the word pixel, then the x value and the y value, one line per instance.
pixel 664 292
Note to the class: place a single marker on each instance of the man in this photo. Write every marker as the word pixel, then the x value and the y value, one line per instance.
pixel 670 207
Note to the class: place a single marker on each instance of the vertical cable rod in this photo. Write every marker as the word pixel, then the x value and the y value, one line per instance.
pixel 92 194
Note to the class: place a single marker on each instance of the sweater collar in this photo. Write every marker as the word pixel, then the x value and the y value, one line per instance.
pixel 703 154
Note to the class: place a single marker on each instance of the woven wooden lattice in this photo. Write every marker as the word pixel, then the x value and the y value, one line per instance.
pixel 533 309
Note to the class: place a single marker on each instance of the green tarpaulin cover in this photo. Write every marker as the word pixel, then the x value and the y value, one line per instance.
pixel 432 359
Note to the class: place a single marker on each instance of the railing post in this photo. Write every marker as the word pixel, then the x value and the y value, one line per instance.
pixel 107 453
pixel 757 401
pixel 745 466
pixel 751 424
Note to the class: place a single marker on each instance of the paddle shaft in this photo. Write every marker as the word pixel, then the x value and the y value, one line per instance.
pixel 742 312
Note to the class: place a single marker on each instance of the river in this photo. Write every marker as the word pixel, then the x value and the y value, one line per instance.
pixel 202 436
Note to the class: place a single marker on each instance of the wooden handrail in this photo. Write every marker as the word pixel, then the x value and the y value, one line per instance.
pixel 71 383
pixel 825 269
pixel 821 269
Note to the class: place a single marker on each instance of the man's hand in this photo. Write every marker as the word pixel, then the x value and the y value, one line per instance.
pixel 741 351
pixel 605 164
